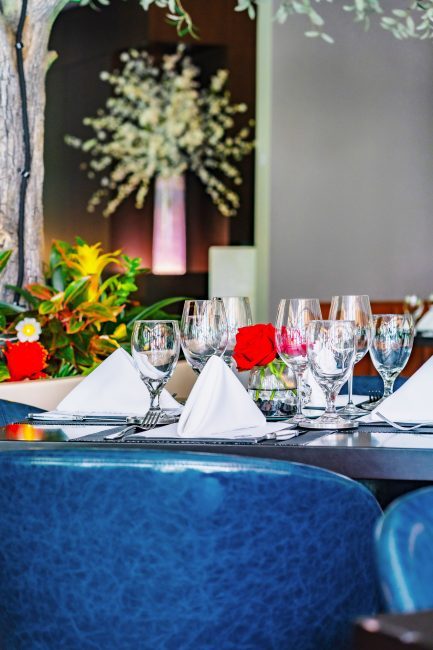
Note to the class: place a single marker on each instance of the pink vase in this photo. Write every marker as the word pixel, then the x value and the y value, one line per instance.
pixel 169 230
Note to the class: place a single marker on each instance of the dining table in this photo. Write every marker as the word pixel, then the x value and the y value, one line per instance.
pixel 389 461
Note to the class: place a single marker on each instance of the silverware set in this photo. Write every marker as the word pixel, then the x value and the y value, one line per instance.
pixel 147 423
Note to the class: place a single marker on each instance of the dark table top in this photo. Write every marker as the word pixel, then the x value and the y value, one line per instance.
pixel 370 453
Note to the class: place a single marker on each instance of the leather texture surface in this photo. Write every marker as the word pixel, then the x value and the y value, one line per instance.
pixel 14 411
pixel 404 551
pixel 134 549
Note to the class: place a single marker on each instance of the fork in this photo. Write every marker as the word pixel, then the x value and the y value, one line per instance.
pixel 148 422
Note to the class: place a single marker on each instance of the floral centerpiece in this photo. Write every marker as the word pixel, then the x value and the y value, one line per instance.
pixel 76 318
pixel 161 122
pixel 271 382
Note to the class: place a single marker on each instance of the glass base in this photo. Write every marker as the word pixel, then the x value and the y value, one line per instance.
pixel 328 422
pixel 351 411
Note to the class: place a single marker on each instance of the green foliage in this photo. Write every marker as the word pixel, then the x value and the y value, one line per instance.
pixel 83 316
pixel 414 20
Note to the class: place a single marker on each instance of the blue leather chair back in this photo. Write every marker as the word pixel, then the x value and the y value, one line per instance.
pixel 139 550
pixel 404 551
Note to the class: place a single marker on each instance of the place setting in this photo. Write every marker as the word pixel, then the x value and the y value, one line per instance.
pixel 295 372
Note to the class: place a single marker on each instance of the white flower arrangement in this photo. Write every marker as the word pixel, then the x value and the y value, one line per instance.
pixel 159 121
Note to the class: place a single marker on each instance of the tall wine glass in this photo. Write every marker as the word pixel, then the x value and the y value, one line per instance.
pixel 358 310
pixel 203 331
pixel 155 346
pixel 331 350
pixel 238 313
pixel 390 349
pixel 293 316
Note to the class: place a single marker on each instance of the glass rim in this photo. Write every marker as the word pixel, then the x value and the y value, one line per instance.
pixel 306 299
pixel 162 320
pixel 352 295
pixel 331 320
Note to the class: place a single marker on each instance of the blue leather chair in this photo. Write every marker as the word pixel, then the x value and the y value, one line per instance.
pixel 145 550
pixel 14 412
pixel 404 551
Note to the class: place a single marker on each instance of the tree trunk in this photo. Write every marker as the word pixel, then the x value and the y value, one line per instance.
pixel 40 17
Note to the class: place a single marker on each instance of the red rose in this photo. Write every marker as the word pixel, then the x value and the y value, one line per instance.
pixel 25 360
pixel 255 346
pixel 292 342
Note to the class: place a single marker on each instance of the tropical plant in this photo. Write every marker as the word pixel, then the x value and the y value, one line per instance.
pixel 78 315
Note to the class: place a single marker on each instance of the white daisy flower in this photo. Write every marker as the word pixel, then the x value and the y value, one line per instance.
pixel 28 329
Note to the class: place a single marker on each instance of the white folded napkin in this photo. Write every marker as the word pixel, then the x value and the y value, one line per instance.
pixel 425 324
pixel 412 402
pixel 114 387
pixel 218 403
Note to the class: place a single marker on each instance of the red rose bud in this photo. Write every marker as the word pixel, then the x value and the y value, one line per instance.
pixel 25 360
pixel 255 346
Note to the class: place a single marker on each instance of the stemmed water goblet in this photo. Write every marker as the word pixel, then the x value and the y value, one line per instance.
pixel 155 346
pixel 238 314
pixel 331 350
pixel 390 349
pixel 358 310
pixel 293 316
pixel 203 331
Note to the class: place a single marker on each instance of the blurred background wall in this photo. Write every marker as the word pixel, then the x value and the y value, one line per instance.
pixel 351 163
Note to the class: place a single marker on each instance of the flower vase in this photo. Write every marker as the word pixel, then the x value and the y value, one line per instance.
pixel 169 229
pixel 273 389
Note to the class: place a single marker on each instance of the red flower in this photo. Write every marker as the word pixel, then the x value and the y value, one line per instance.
pixel 25 360
pixel 292 342
pixel 255 346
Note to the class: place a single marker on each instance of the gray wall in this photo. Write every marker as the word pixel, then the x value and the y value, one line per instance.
pixel 352 163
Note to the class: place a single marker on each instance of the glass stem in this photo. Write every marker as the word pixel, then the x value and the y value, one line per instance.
pixel 388 385
pixel 349 389
pixel 299 373
pixel 330 396
pixel 155 389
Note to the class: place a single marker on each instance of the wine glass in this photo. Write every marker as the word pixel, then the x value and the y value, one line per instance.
pixel 293 316
pixel 358 310
pixel 238 313
pixel 390 349
pixel 155 346
pixel 331 351
pixel 203 331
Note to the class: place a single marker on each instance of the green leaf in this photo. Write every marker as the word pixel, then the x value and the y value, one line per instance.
pixel 4 258
pixel 4 372
pixel 9 309
pixel 24 294
pixel 48 307
pixel 76 290
pixel 147 312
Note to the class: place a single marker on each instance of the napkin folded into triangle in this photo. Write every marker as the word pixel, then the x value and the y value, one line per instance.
pixel 114 387
pixel 218 403
pixel 412 402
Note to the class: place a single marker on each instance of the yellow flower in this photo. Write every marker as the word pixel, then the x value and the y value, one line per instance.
pixel 88 259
